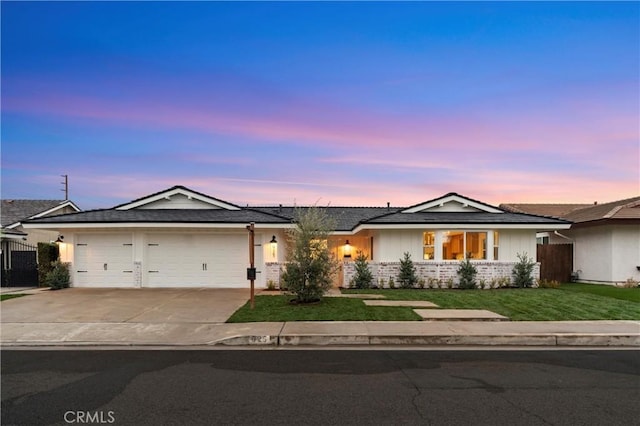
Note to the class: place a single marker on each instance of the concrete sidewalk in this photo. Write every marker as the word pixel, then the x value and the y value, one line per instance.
pixel 291 334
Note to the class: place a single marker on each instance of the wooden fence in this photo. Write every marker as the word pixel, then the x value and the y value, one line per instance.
pixel 556 261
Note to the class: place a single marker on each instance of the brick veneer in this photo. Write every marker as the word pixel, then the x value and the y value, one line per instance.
pixel 434 274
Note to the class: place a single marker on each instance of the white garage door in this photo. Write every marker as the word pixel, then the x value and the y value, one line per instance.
pixel 103 260
pixel 196 260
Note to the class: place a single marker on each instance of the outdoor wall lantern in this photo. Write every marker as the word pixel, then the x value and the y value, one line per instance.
pixel 59 239
pixel 347 249
pixel 274 246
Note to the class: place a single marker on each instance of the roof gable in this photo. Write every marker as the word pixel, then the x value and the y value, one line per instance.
pixel 452 202
pixel 177 198
pixel 15 211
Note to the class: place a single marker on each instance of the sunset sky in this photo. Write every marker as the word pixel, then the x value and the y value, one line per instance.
pixel 330 103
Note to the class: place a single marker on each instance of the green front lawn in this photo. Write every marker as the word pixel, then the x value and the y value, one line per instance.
pixel 10 296
pixel 278 308
pixel 533 304
pixel 568 303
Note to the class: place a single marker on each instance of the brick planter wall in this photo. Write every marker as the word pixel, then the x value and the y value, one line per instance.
pixel 437 274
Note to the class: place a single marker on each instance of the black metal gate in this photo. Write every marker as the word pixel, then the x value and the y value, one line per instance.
pixel 19 264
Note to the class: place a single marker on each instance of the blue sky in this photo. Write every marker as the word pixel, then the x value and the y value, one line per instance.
pixel 342 103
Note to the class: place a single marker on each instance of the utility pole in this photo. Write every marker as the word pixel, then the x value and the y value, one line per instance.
pixel 66 186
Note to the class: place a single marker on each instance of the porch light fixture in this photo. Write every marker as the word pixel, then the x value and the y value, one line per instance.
pixel 59 239
pixel 274 246
pixel 347 249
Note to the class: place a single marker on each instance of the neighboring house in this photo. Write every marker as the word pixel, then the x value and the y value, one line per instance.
pixel 18 247
pixel 559 211
pixel 606 238
pixel 14 212
pixel 180 237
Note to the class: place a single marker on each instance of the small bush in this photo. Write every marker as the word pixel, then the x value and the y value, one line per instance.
pixel 523 271
pixel 381 283
pixel 449 283
pixel 59 276
pixel 421 283
pixel 271 285
pixel 630 283
pixel 548 284
pixel 467 273
pixel 392 283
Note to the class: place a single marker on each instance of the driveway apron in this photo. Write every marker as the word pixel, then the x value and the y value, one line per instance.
pixel 84 305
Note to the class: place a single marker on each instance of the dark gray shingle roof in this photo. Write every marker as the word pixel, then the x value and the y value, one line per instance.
pixel 464 217
pixel 346 218
pixel 163 216
pixel 18 210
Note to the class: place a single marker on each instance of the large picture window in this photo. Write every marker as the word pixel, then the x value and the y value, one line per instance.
pixel 458 245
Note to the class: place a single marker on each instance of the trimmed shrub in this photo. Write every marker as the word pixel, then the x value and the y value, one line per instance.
pixel 47 254
pixel 59 276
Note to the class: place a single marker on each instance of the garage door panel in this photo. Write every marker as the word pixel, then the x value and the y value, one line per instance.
pixel 196 260
pixel 103 260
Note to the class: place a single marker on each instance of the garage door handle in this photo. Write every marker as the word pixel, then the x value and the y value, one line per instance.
pixel 105 266
pixel 204 266
pixel 81 271
pixel 128 272
pixel 153 272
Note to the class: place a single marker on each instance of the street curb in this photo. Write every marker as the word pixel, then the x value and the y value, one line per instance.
pixel 451 340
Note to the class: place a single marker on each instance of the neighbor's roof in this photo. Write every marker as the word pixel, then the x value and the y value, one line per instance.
pixel 14 211
pixel 551 210
pixel 617 210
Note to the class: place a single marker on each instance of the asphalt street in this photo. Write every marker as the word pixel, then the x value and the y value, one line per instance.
pixel 337 387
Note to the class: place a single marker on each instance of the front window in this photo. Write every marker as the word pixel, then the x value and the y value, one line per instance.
pixel 428 245
pixel 496 244
pixel 458 245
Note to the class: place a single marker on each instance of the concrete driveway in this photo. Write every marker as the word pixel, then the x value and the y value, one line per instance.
pixel 84 305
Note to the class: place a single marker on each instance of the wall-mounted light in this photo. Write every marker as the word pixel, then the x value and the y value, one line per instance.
pixel 274 246
pixel 347 249
pixel 59 239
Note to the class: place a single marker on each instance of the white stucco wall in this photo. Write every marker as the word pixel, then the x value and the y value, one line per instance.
pixel 625 252
pixel 593 250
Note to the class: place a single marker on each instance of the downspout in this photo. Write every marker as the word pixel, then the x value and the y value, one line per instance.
pixel 573 246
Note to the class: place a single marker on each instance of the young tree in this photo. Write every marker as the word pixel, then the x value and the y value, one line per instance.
pixel 467 273
pixel 523 271
pixel 310 265
pixel 363 276
pixel 407 277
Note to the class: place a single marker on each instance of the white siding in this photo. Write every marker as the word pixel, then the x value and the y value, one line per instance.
pixel 178 201
pixel 390 245
pixel 514 241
